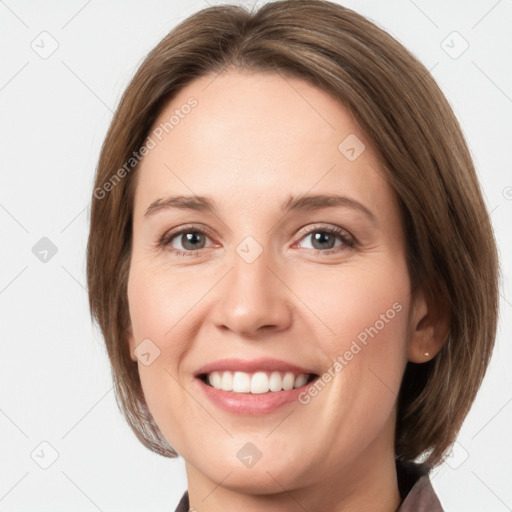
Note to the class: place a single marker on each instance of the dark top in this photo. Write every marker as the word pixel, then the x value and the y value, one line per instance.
pixel 414 486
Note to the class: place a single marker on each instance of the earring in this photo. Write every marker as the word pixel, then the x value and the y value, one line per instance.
pixel 426 354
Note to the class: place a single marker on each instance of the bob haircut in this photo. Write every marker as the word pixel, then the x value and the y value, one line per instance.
pixel 451 251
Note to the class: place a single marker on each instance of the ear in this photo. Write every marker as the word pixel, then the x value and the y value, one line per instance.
pixel 429 327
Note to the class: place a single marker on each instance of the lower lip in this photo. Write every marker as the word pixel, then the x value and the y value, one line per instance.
pixel 248 403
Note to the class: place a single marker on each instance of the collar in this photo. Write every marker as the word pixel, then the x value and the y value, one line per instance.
pixel 415 488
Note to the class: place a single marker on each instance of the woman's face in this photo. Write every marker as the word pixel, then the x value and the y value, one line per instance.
pixel 291 251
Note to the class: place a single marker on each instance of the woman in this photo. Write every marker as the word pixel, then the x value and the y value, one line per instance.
pixel 291 376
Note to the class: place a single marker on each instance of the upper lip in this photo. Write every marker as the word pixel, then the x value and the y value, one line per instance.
pixel 250 366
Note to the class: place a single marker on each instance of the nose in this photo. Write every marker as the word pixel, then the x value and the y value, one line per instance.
pixel 253 298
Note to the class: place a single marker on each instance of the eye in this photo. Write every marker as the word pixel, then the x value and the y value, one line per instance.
pixel 328 239
pixel 185 242
pixel 188 240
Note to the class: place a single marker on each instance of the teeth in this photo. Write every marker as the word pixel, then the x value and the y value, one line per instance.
pixel 242 382
pixel 276 382
pixel 300 380
pixel 215 380
pixel 226 381
pixel 256 383
pixel 288 381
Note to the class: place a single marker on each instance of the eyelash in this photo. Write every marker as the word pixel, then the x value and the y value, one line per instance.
pixel 167 239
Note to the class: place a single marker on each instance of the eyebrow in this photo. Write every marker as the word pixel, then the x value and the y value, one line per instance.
pixel 301 203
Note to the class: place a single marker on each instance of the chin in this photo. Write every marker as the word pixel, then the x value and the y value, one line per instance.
pixel 256 480
pixel 270 474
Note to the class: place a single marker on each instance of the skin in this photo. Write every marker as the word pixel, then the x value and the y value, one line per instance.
pixel 253 140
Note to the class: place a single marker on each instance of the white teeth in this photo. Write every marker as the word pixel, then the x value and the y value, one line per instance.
pixel 256 383
pixel 300 380
pixel 241 382
pixel 227 381
pixel 276 382
pixel 288 381
pixel 259 382
pixel 215 380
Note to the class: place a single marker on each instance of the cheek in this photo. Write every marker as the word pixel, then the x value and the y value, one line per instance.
pixel 368 351
pixel 360 305
pixel 366 311
pixel 158 305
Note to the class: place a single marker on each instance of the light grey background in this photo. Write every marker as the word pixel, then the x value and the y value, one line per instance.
pixel 55 385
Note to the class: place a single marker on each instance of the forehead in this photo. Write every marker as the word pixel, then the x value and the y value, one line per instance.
pixel 251 134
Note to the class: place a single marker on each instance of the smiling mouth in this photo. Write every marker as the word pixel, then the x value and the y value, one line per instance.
pixel 256 382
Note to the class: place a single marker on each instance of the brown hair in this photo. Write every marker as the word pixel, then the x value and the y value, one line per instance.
pixel 451 247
